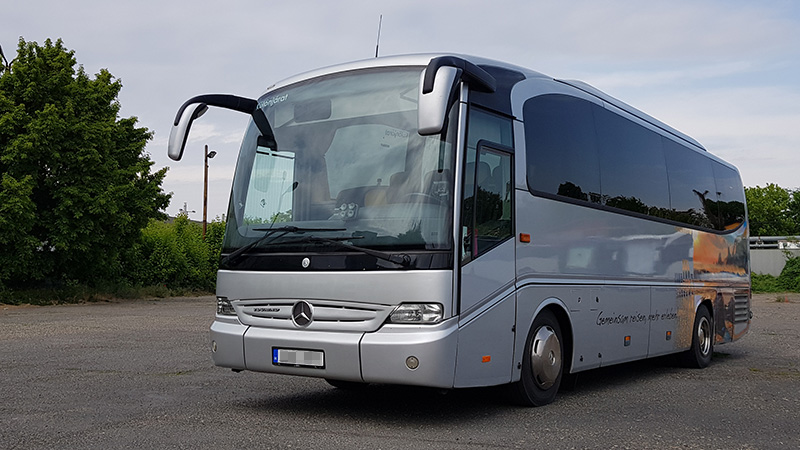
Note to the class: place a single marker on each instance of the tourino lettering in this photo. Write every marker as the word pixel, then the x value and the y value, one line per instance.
pixel 396 133
pixel 272 100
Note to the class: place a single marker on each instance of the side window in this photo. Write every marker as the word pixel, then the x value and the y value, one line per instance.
pixel 488 207
pixel 691 185
pixel 633 173
pixel 486 218
pixel 560 147
pixel 730 197
pixel 574 146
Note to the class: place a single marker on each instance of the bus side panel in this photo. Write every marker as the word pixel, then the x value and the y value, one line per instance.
pixel 531 299
pixel 671 319
pixel 609 324
pixel 621 326
pixel 731 314
pixel 486 347
pixel 572 243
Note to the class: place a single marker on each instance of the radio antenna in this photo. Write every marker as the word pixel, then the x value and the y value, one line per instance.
pixel 378 43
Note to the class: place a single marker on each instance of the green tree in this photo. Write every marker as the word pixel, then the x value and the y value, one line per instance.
pixel 794 211
pixel 174 254
pixel 77 186
pixel 769 211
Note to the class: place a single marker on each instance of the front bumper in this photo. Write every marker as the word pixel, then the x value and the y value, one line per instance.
pixel 375 357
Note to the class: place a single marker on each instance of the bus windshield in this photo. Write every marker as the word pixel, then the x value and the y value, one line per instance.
pixel 346 162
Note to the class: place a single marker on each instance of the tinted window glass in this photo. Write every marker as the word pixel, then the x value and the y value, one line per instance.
pixel 730 197
pixel 560 144
pixel 493 201
pixel 486 207
pixel 691 185
pixel 633 173
pixel 574 147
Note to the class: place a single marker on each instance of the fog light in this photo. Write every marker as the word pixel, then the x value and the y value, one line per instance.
pixel 214 346
pixel 412 362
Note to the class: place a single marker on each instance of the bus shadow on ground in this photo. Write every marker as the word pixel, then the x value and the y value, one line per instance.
pixel 418 405
pixel 390 403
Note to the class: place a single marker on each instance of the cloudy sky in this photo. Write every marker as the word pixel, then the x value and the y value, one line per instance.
pixel 726 72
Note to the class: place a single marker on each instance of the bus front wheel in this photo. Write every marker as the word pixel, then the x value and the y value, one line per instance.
pixel 699 354
pixel 542 363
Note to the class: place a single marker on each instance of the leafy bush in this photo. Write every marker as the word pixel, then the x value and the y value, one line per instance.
pixel 762 283
pixel 789 279
pixel 175 255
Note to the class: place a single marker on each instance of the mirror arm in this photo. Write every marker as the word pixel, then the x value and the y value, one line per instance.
pixel 236 103
pixel 471 74
pixel 181 125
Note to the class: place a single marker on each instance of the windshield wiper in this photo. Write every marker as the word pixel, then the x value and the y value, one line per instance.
pixel 401 259
pixel 269 232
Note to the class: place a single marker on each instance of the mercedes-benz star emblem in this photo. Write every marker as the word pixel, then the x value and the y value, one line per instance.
pixel 302 313
pixel 306 262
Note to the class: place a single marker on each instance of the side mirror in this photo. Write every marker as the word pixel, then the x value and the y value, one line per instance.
pixel 432 106
pixel 180 129
pixel 197 106
pixel 436 85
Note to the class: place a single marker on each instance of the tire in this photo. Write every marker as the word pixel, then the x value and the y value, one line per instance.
pixel 542 363
pixel 347 385
pixel 699 354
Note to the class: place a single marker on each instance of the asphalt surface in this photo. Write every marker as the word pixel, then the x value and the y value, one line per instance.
pixel 138 374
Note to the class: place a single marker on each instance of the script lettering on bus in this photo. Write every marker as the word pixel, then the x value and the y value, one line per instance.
pixel 271 101
pixel 637 317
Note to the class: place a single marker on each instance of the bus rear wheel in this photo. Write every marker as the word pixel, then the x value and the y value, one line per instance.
pixel 542 363
pixel 699 354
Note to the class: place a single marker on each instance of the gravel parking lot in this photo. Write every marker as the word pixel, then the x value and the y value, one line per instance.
pixel 139 374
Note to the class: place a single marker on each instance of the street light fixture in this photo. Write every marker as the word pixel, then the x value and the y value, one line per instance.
pixel 208 155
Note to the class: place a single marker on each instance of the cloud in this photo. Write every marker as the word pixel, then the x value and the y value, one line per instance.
pixel 724 71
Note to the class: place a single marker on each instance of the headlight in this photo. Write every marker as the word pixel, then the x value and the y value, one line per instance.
pixel 419 313
pixel 224 307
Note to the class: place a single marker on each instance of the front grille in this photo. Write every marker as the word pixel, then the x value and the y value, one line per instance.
pixel 741 305
pixel 327 315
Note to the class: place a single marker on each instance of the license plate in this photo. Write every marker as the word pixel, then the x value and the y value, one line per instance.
pixel 300 358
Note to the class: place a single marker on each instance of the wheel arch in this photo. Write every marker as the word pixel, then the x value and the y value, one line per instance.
pixel 559 309
pixel 708 303
pixel 567 334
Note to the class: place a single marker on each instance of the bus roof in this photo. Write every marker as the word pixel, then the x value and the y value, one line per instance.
pixel 422 59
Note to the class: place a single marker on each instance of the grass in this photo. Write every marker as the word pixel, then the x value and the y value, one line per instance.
pixel 782 299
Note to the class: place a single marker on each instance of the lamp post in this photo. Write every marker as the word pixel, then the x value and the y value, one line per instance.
pixel 208 155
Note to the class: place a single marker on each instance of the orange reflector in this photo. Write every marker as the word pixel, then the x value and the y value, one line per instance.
pixel 669 335
pixel 486 359
pixel 627 341
pixel 524 237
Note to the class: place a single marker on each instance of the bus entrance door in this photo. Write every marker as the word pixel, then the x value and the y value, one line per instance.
pixel 486 301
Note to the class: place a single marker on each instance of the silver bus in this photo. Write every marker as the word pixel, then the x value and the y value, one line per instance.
pixel 452 221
